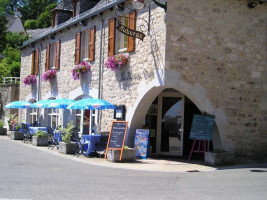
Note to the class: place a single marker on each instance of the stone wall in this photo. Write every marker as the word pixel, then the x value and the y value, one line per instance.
pixel 9 93
pixel 218 51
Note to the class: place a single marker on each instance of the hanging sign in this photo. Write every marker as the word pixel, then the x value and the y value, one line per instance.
pixel 125 30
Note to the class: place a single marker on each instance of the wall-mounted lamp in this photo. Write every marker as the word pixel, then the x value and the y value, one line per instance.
pixel 139 4
pixel 254 3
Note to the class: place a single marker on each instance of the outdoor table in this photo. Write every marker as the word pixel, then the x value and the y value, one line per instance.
pixel 33 130
pixel 91 140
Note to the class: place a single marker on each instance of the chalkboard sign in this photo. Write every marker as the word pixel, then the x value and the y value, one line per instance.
pixel 202 127
pixel 117 136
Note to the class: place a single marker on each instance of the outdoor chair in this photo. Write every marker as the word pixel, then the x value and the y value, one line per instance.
pixel 77 139
pixel 27 136
pixel 50 135
pixel 53 138
pixel 101 146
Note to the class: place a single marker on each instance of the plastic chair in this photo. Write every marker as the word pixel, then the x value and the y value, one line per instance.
pixel 27 136
pixel 76 138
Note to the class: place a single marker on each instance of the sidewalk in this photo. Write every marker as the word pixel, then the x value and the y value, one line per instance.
pixel 150 164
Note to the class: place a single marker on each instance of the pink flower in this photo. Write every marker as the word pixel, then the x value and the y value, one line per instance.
pixel 115 62
pixel 49 75
pixel 29 80
pixel 79 69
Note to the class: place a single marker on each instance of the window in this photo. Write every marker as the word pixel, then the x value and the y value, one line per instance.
pixel 35 62
pixel 54 19
pixel 85 122
pixel 126 43
pixel 52 56
pixel 33 115
pixel 53 117
pixel 85 45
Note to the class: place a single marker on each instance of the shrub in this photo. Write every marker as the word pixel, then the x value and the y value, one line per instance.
pixel 67 132
pixel 1 123
pixel 40 134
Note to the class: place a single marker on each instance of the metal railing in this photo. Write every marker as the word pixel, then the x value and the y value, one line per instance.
pixel 9 80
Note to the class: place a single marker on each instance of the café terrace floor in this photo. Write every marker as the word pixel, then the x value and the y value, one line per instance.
pixel 149 164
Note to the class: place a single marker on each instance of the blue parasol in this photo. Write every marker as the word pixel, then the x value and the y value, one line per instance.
pixel 91 104
pixel 59 103
pixel 19 104
pixel 41 104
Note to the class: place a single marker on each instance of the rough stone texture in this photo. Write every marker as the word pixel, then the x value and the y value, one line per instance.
pixel 219 48
pixel 39 141
pixel 3 131
pixel 219 158
pixel 9 93
pixel 128 155
pixel 16 135
pixel 69 148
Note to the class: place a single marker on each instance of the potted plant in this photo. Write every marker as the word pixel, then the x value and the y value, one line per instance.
pixel 78 70
pixel 219 157
pixel 40 138
pixel 115 62
pixel 30 80
pixel 17 133
pixel 3 131
pixel 49 75
pixel 67 146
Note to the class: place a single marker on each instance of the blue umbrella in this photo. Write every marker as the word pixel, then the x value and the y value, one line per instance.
pixel 91 104
pixel 59 103
pixel 41 104
pixel 19 104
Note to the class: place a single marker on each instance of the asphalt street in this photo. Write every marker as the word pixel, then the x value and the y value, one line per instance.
pixel 27 173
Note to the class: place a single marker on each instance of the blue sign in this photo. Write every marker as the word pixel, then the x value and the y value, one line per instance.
pixel 141 143
pixel 202 127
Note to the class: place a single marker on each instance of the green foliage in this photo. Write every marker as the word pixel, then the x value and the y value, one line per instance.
pixel 3 28
pixel 15 39
pixel 31 24
pixel 1 123
pixel 17 127
pixel 67 132
pixel 40 134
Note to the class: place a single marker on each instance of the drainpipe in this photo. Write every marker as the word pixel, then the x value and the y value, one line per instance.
pixel 39 82
pixel 100 71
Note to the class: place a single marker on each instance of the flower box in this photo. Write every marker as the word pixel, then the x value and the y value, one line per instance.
pixel 3 131
pixel 40 141
pixel 128 155
pixel 78 70
pixel 115 62
pixel 220 158
pixel 17 135
pixel 29 80
pixel 49 75
pixel 68 148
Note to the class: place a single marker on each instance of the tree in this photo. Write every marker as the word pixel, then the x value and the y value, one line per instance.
pixel 3 28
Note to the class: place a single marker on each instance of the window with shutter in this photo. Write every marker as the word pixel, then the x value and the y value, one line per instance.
pixel 47 58
pixel 91 52
pixel 32 66
pixel 36 63
pixel 77 48
pixel 132 24
pixel 111 37
pixel 57 65
pixel 84 46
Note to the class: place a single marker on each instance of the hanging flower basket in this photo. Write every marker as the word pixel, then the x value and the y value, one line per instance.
pixel 115 62
pixel 49 75
pixel 79 69
pixel 29 80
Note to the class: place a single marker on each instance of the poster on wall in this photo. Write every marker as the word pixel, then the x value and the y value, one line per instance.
pixel 141 143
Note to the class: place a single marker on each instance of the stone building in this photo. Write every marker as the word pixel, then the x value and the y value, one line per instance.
pixel 196 56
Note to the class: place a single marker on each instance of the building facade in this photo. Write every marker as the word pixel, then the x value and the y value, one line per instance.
pixel 205 56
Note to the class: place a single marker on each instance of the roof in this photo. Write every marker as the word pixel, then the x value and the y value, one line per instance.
pixel 10 19
pixel 100 7
pixel 64 5
pixel 35 32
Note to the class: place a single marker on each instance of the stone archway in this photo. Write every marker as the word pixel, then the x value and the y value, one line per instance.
pixel 195 93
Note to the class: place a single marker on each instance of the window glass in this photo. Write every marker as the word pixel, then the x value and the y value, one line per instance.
pixel 53 117
pixel 84 45
pixel 52 61
pixel 33 115
pixel 122 37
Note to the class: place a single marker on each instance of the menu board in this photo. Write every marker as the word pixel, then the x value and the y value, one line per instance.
pixel 117 134
pixel 202 127
pixel 141 143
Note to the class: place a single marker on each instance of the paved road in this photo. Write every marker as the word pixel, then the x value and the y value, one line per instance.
pixel 27 173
